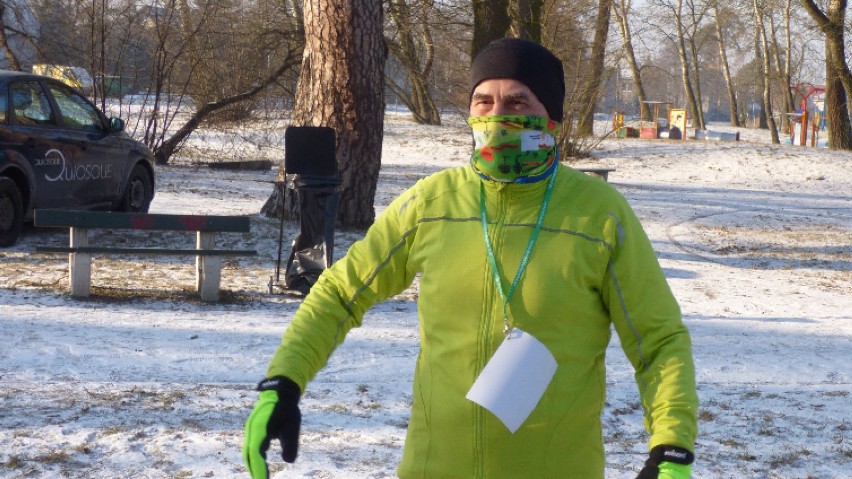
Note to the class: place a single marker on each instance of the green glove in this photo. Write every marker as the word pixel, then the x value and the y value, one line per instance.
pixel 670 470
pixel 275 416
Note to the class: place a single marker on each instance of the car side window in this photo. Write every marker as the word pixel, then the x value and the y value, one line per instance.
pixel 30 105
pixel 76 112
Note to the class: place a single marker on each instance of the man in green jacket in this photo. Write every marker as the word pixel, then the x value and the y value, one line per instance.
pixel 525 266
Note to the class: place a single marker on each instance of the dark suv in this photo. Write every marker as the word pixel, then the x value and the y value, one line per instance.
pixel 58 151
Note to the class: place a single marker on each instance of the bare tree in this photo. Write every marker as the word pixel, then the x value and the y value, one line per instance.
pixel 838 76
pixel 694 106
pixel 411 20
pixel 696 36
pixel 196 43
pixel 568 31
pixel 169 146
pixel 593 80
pixel 198 56
pixel 782 65
pixel 767 72
pixel 719 18
pixel 685 50
pixel 621 10
pixel 451 28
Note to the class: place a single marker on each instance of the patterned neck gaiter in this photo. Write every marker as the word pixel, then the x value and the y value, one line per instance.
pixel 513 148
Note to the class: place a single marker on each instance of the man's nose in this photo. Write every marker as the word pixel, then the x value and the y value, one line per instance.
pixel 499 108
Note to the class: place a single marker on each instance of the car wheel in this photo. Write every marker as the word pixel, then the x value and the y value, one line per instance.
pixel 11 212
pixel 138 192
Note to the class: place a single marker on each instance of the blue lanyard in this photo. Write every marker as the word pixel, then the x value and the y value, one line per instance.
pixel 526 258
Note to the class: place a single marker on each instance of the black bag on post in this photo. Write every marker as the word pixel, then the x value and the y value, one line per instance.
pixel 310 156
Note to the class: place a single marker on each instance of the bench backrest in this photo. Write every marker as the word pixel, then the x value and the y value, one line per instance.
pixel 141 221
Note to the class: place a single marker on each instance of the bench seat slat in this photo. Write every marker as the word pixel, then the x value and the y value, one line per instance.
pixel 140 221
pixel 142 251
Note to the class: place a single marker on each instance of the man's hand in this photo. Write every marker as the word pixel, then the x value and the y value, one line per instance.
pixel 275 416
pixel 667 462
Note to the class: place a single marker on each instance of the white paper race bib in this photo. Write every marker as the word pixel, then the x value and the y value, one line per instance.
pixel 515 378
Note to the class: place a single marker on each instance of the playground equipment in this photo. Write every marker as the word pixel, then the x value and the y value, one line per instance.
pixel 617 122
pixel 651 129
pixel 619 129
pixel 673 126
pixel 800 126
pixel 800 121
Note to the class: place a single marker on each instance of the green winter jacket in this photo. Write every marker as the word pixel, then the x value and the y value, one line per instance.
pixel 592 267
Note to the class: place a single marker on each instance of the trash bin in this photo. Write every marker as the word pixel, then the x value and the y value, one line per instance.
pixel 317 198
pixel 310 164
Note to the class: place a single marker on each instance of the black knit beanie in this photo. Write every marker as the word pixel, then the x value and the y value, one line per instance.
pixel 527 62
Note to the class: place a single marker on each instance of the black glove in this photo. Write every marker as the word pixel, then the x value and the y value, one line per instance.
pixel 667 462
pixel 275 416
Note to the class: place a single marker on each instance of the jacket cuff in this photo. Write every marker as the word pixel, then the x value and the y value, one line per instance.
pixel 281 384
pixel 674 454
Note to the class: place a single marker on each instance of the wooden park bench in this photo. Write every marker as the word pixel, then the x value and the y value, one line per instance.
pixel 208 264
pixel 603 173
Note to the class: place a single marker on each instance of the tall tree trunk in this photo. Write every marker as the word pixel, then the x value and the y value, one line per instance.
pixel 684 70
pixel 621 10
pixel 836 105
pixel 838 75
pixel 758 61
pixel 783 76
pixel 585 122
pixel 767 94
pixel 341 86
pixel 696 76
pixel 526 19
pixel 786 69
pixel 726 69
pixel 491 21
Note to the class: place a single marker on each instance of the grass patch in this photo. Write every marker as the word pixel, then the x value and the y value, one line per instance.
pixel 732 443
pixel 171 398
pixel 706 415
pixel 53 457
pixel 746 456
pixel 788 458
pixel 623 411
pixel 14 462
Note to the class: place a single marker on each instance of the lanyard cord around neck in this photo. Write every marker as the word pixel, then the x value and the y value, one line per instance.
pixel 492 261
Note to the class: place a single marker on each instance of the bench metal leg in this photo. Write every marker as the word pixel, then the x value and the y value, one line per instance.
pixel 80 264
pixel 208 269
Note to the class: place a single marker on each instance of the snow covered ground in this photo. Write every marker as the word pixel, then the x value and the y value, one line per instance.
pixel 145 381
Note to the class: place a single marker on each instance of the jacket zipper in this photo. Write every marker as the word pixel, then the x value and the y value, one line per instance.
pixel 486 326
